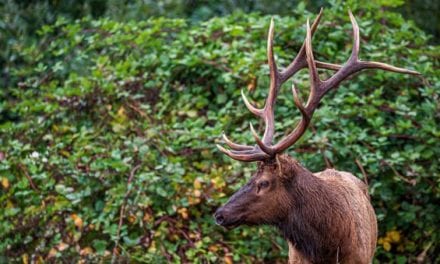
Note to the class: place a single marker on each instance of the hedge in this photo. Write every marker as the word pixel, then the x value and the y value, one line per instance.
pixel 108 132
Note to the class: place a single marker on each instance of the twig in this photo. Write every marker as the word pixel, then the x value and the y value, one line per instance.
pixel 409 181
pixel 328 163
pixel 26 174
pixel 139 111
pixel 122 211
pixel 421 257
pixel 167 218
pixel 359 164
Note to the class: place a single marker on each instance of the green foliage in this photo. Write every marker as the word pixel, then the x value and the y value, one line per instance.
pixel 108 131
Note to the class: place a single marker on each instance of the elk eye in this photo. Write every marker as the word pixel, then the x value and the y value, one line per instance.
pixel 263 184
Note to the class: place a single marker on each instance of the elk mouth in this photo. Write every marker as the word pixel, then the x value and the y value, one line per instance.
pixel 232 224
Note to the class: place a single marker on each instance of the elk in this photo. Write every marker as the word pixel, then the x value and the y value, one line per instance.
pixel 326 217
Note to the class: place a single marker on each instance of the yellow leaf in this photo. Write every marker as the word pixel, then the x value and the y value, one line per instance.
pixel 9 204
pixel 193 201
pixel 394 236
pixel 197 184
pixel 152 248
pixel 25 258
pixel 5 182
pixel 77 220
pixel 40 260
pixel 387 246
pixel 218 182
pixel 119 121
pixel 121 113
pixel 65 153
pixel 380 241
pixel 183 212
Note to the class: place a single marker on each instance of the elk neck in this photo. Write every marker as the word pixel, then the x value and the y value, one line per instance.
pixel 316 205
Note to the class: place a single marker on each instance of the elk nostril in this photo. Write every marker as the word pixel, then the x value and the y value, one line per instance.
pixel 219 218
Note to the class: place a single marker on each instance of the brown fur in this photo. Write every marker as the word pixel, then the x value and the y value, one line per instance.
pixel 326 217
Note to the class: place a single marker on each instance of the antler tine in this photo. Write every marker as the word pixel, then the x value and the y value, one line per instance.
pixel 311 105
pixel 246 156
pixel 246 153
pixel 386 67
pixel 270 55
pixel 260 143
pixel 354 64
pixel 300 60
pixel 235 146
pixel 327 65
pixel 356 40
pixel 313 71
pixel 253 109
pixel 298 102
pixel 268 114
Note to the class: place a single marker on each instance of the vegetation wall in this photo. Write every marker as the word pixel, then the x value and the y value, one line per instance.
pixel 108 133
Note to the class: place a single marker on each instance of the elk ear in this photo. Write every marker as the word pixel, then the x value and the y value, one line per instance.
pixel 288 167
pixel 284 166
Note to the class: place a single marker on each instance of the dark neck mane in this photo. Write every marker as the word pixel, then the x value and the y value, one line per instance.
pixel 316 222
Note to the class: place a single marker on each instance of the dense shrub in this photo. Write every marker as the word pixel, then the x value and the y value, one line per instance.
pixel 108 134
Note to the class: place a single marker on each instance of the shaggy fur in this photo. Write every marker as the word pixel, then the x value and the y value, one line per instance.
pixel 326 217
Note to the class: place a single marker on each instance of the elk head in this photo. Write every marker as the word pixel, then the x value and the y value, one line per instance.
pixel 267 197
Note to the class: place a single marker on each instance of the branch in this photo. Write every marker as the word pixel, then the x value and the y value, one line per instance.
pixel 122 211
pixel 26 174
pixel 359 164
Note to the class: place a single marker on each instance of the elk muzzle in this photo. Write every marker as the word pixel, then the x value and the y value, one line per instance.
pixel 234 212
pixel 227 218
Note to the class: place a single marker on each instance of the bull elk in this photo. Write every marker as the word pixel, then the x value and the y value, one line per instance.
pixel 326 217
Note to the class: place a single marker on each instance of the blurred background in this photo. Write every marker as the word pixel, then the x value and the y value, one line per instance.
pixel 110 112
pixel 25 17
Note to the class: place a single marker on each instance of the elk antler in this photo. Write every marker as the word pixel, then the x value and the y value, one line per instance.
pixel 318 88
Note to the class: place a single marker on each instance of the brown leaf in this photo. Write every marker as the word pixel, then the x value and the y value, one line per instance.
pixel 52 253
pixel 183 212
pixel 86 251
pixel 252 84
pixel 77 220
pixel 228 260
pixel 62 246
